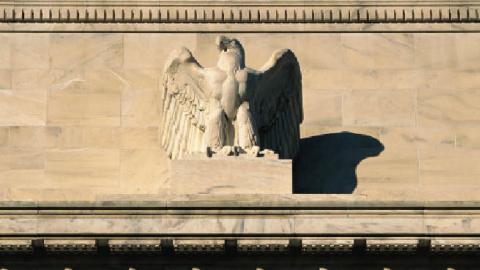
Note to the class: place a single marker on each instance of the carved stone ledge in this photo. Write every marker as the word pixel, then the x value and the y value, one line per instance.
pixel 208 245
pixel 452 246
pixel 249 12
pixel 198 246
pixel 327 246
pixel 70 246
pixel 135 246
pixel 263 246
pixel 15 246
pixel 397 246
pixel 261 224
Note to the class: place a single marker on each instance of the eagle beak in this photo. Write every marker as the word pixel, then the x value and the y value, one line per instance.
pixel 222 42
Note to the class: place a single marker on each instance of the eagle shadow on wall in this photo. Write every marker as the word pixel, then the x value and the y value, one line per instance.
pixel 328 163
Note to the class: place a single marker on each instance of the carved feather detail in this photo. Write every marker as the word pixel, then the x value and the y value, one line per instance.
pixel 184 105
pixel 277 103
pixel 272 105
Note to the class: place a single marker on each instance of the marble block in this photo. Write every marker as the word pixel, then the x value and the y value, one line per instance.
pixel 198 174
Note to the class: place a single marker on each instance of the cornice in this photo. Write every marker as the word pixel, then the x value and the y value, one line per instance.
pixel 240 12
pixel 241 226
pixel 199 3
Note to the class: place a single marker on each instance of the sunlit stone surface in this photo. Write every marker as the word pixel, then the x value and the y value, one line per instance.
pixel 199 174
pixel 387 171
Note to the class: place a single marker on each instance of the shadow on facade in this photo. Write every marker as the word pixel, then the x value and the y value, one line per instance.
pixel 326 164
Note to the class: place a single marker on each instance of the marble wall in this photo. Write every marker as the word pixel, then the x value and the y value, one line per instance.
pixel 80 112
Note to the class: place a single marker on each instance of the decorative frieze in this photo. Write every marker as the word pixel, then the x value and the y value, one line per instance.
pixel 327 246
pixel 134 246
pixel 243 246
pixel 455 246
pixel 250 12
pixel 396 246
pixel 208 245
pixel 263 246
pixel 270 224
pixel 20 246
pixel 68 246
pixel 200 246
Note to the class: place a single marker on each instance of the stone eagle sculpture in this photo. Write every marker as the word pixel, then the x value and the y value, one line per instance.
pixel 231 109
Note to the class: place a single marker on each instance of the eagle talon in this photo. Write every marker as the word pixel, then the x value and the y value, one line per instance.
pixel 227 150
pixel 253 151
pixel 268 154
pixel 209 152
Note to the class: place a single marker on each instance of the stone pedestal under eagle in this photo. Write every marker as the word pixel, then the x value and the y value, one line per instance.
pixel 230 108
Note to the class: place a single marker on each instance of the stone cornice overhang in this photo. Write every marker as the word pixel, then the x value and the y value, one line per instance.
pixel 244 224
pixel 240 16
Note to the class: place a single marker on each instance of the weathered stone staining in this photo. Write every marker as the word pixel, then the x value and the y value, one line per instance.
pixel 230 109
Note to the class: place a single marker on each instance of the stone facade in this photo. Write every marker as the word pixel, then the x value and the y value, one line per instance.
pixel 80 112
pixel 390 97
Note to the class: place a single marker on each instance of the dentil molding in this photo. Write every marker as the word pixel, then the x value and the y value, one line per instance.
pixel 240 12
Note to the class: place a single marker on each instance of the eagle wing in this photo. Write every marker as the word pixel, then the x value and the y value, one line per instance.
pixel 184 98
pixel 277 103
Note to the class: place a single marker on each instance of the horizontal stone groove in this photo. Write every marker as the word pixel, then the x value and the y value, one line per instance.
pixel 138 207
pixel 258 213
pixel 243 203
pixel 241 14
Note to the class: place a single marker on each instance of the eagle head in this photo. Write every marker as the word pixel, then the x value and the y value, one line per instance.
pixel 232 54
